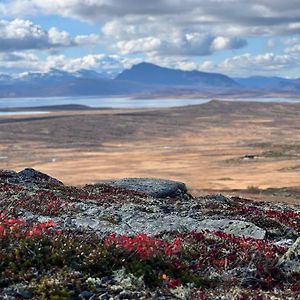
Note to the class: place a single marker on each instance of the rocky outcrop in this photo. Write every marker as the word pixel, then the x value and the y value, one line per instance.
pixel 28 176
pixel 132 219
pixel 158 188
pixel 142 239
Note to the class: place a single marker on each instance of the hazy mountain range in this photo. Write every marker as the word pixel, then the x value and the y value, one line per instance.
pixel 144 78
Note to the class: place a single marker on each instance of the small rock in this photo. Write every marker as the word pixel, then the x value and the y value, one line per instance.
pixel 86 295
pixel 24 293
pixel 104 296
pixel 125 295
pixel 284 243
pixel 106 280
pixel 157 188
pixel 86 223
pixel 290 261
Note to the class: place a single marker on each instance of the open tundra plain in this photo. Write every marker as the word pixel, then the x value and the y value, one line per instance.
pixel 215 146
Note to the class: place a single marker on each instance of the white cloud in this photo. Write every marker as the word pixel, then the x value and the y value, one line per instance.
pixel 221 43
pixel 292 41
pixel 295 49
pixel 254 17
pixel 174 33
pixel 262 64
pixel 91 39
pixel 56 37
pixel 22 34
pixel 293 46
pixel 142 45
pixel 18 62
pixel 247 64
pixel 177 43
pixel 214 25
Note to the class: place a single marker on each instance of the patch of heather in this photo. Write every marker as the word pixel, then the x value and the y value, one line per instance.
pixel 38 201
pixel 100 194
pixel 58 264
pixel 265 215
pixel 61 199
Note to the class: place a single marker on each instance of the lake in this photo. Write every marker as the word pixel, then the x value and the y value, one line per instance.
pixel 20 113
pixel 98 102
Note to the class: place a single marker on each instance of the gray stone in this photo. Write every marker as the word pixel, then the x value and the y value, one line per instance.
pixel 290 261
pixel 157 188
pixel 5 175
pixel 25 293
pixel 132 222
pixel 284 243
pixel 153 224
pixel 235 227
pixel 86 295
pixel 86 223
pixel 104 296
pixel 33 176
pixel 28 177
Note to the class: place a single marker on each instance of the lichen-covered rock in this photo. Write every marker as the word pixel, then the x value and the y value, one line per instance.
pixel 28 177
pixel 158 188
pixel 33 176
pixel 7 174
pixel 290 261
pixel 235 227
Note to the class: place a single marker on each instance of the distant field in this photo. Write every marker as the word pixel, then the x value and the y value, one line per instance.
pixel 204 146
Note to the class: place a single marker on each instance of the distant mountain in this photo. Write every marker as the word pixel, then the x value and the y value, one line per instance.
pixel 141 79
pixel 269 83
pixel 151 74
pixel 5 78
pixel 61 83
pixel 40 79
pixel 90 74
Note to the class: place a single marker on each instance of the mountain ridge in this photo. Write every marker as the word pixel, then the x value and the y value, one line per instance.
pixel 141 79
pixel 154 74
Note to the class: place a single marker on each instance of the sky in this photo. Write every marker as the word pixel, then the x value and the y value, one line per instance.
pixel 236 37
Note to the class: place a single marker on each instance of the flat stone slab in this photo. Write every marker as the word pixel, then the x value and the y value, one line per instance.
pixel 235 227
pixel 130 222
pixel 157 188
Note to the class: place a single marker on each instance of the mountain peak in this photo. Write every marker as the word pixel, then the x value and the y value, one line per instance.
pixel 148 73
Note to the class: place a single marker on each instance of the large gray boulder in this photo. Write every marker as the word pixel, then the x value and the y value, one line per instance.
pixel 157 188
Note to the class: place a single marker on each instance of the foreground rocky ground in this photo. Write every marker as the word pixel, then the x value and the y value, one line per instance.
pixel 142 239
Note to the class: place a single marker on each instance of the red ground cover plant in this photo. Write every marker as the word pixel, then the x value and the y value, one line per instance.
pixel 18 228
pixel 200 253
pixel 163 261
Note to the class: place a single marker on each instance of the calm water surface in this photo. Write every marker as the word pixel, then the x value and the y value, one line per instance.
pixel 97 102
